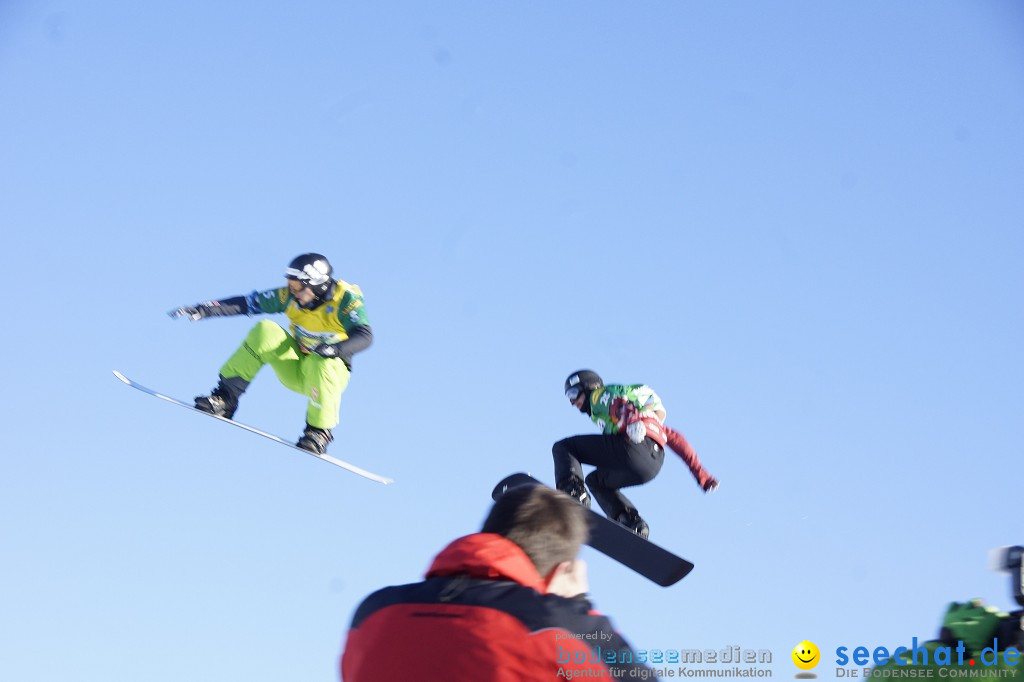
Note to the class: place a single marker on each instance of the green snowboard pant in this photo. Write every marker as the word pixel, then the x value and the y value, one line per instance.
pixel 321 380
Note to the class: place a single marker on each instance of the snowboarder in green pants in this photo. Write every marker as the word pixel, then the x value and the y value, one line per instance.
pixel 328 326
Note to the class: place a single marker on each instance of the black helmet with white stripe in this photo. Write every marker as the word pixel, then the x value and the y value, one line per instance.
pixel 313 270
pixel 582 380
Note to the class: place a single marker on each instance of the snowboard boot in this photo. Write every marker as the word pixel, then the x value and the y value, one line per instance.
pixel 223 400
pixel 631 520
pixel 315 440
pixel 574 488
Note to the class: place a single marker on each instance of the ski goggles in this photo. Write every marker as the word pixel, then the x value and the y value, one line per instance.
pixel 572 393
pixel 307 276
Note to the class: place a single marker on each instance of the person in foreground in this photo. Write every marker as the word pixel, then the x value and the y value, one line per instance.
pixel 629 451
pixel 506 604
pixel 328 326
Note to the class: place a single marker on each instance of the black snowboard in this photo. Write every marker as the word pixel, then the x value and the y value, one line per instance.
pixel 618 542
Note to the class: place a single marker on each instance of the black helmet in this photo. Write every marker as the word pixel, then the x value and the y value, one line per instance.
pixel 582 380
pixel 314 271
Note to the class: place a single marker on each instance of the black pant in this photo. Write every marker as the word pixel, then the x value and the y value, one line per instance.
pixel 620 463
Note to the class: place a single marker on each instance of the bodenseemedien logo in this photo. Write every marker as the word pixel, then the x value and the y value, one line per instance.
pixel 731 661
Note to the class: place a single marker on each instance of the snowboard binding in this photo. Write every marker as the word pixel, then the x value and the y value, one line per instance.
pixel 315 440
pixel 631 520
pixel 223 400
pixel 574 488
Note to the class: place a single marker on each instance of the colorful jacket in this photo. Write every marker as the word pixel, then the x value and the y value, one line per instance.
pixel 615 406
pixel 341 320
pixel 481 615
pixel 330 322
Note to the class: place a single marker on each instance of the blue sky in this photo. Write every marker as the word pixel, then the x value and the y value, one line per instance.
pixel 800 222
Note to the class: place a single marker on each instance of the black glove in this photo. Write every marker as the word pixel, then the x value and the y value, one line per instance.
pixel 236 305
pixel 192 312
pixel 328 350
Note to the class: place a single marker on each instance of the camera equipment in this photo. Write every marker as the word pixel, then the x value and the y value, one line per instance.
pixel 1009 560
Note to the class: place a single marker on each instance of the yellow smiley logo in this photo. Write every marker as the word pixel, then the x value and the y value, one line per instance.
pixel 806 655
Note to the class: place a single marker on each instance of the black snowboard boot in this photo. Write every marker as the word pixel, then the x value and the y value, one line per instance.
pixel 315 440
pixel 631 520
pixel 574 488
pixel 223 400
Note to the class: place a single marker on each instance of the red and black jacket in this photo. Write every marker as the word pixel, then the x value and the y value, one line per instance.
pixel 481 615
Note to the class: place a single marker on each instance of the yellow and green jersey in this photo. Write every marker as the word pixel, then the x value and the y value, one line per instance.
pixel 329 322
